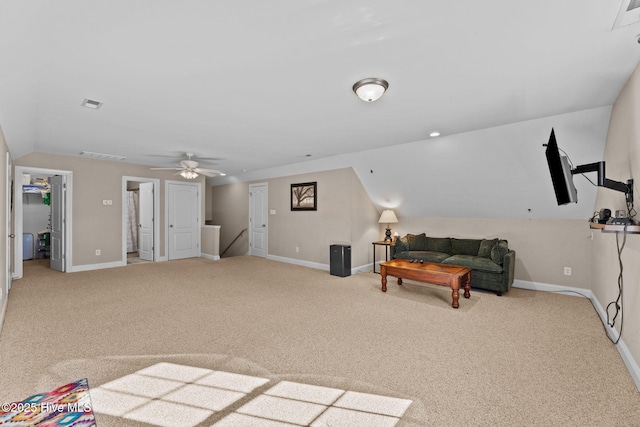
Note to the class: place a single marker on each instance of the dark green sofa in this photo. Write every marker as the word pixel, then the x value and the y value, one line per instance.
pixel 491 260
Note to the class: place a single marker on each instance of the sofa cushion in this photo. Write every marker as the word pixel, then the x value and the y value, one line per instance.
pixel 499 250
pixel 465 246
pixel 475 262
pixel 428 256
pixel 485 247
pixel 417 242
pixel 439 244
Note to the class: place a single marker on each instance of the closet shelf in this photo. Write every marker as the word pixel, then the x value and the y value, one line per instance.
pixel 35 189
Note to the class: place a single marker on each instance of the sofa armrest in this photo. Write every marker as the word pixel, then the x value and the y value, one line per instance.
pixel 392 250
pixel 509 266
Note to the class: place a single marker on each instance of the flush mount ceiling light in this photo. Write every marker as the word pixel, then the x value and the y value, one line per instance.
pixel 90 103
pixel 370 90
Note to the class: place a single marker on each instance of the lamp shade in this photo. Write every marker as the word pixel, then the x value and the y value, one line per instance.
pixel 388 217
pixel 370 90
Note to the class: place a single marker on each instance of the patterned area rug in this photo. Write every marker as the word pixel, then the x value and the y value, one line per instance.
pixel 68 406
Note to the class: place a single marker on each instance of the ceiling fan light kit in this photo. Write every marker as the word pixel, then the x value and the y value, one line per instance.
pixel 189 174
pixel 371 89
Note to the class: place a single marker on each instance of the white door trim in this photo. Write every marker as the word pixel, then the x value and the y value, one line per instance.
pixel 156 215
pixel 8 244
pixel 17 203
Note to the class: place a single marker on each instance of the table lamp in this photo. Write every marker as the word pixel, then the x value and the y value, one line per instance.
pixel 388 217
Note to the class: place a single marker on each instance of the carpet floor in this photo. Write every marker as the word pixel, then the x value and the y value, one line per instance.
pixel 162 335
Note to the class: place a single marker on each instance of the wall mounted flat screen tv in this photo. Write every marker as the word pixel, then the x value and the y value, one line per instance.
pixel 560 171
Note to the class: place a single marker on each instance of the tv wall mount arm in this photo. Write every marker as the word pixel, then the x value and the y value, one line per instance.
pixel 603 181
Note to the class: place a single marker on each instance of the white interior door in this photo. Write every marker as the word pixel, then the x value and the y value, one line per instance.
pixel 57 222
pixel 183 220
pixel 146 241
pixel 258 220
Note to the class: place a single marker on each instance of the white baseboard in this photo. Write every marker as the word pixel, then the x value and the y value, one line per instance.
pixel 211 257
pixel 89 267
pixel 3 310
pixel 317 265
pixel 627 357
pixel 301 262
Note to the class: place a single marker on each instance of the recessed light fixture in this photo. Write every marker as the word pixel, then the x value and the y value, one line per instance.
pixel 90 103
pixel 371 89
pixel 434 134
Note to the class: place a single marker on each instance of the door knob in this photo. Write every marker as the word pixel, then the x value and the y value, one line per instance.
pixel 170 225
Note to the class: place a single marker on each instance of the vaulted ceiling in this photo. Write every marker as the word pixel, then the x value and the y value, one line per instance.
pixel 256 84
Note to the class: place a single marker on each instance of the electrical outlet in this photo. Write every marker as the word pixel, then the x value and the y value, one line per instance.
pixel 107 202
pixel 98 252
pixel 567 271
pixel 297 249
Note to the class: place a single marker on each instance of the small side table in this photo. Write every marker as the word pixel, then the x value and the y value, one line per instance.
pixel 385 243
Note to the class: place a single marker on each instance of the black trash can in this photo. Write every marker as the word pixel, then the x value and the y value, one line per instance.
pixel 340 260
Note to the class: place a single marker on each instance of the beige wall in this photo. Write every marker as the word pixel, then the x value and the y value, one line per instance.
pixel 96 226
pixel 622 156
pixel 230 209
pixel 211 241
pixel 345 215
pixel 543 246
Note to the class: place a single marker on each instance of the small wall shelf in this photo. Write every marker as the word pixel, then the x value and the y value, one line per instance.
pixel 610 228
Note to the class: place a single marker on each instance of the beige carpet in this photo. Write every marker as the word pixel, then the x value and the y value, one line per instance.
pixel 526 358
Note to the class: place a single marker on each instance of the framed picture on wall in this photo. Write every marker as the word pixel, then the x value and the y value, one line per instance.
pixel 304 197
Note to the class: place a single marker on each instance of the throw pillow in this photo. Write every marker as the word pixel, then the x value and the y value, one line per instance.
pixel 485 247
pixel 401 244
pixel 498 251
pixel 417 242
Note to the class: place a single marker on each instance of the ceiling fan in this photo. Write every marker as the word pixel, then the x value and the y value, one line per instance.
pixel 189 169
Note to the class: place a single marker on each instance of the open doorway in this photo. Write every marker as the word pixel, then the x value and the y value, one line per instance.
pixel 43 222
pixel 140 224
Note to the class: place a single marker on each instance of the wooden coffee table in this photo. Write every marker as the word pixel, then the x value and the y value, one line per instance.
pixel 439 274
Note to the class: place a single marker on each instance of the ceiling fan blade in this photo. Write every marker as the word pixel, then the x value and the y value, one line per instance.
pixel 207 172
pixel 165 169
pixel 179 155
pixel 213 159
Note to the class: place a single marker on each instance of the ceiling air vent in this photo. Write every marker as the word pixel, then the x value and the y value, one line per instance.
pixel 101 156
pixel 90 103
pixel 628 14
